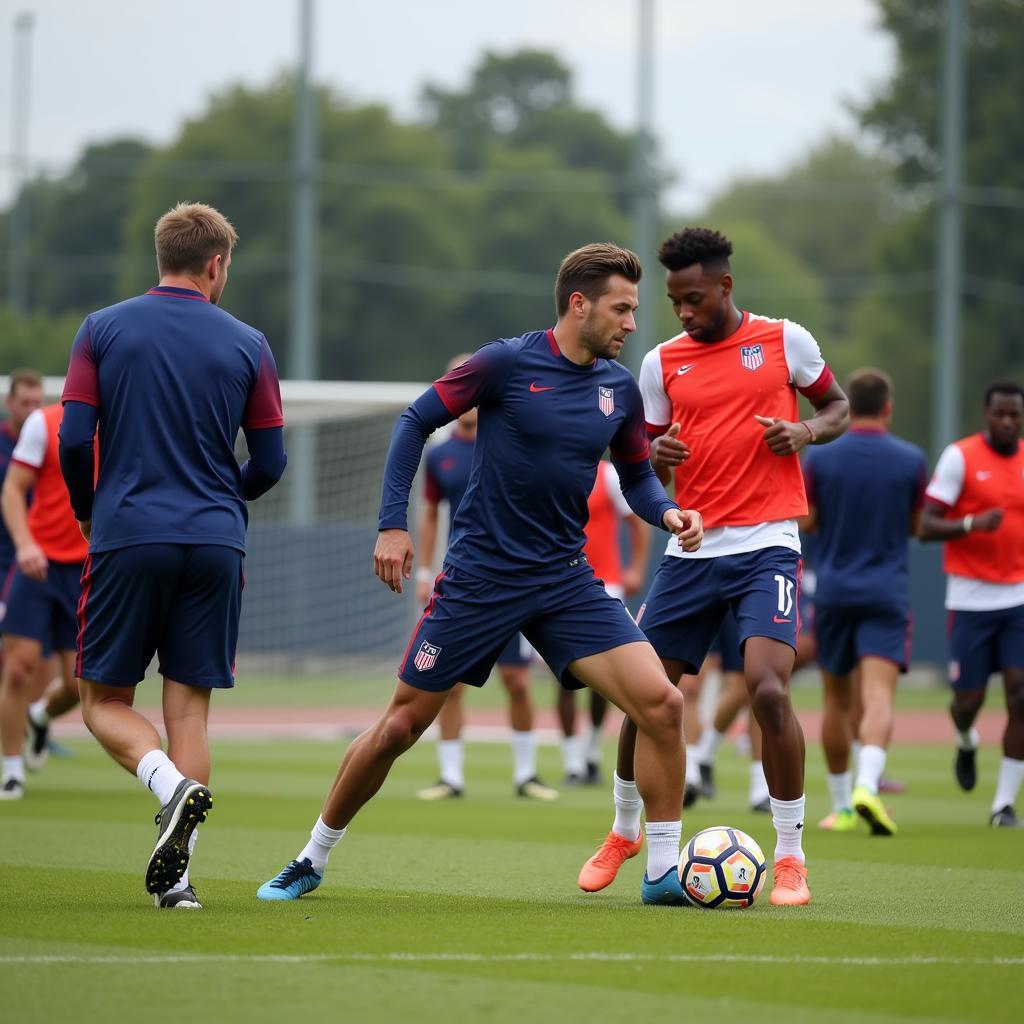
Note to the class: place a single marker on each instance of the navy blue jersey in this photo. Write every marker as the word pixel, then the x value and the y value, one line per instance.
pixel 7 443
pixel 446 471
pixel 172 377
pixel 865 485
pixel 544 423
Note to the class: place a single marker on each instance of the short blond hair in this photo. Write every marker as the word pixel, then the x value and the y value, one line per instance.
pixel 189 235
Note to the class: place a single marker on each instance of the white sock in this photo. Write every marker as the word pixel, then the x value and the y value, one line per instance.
pixel 628 808
pixel 450 756
pixel 38 714
pixel 662 847
pixel 14 768
pixel 855 749
pixel 156 772
pixel 524 755
pixel 788 819
pixel 758 783
pixel 968 739
pixel 710 741
pixel 593 745
pixel 1011 773
pixel 870 766
pixel 321 841
pixel 183 881
pixel 692 771
pixel 840 788
pixel 572 755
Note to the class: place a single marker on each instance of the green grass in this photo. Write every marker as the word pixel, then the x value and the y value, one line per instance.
pixel 489 882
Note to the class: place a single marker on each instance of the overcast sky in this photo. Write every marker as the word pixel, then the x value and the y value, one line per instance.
pixel 742 86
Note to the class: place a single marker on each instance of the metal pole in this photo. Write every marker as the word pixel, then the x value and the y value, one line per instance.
pixel 644 187
pixel 18 256
pixel 303 362
pixel 949 265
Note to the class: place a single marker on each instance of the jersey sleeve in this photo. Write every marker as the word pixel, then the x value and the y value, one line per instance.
pixel 657 405
pixel 432 491
pixel 630 442
pixel 32 441
pixel 618 499
pixel 921 485
pixel 478 380
pixel 82 383
pixel 263 408
pixel 947 482
pixel 808 370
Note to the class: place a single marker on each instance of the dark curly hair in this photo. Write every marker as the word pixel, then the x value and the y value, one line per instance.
pixel 1002 387
pixel 711 249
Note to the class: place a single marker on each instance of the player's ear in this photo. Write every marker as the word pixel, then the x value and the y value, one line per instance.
pixel 578 304
pixel 726 284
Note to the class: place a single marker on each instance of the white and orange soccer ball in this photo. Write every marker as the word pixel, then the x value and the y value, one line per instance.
pixel 722 867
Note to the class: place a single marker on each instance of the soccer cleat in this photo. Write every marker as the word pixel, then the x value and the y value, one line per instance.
pixel 178 899
pixel 439 791
pixel 37 747
pixel 891 786
pixel 872 810
pixel 1005 817
pixel 966 768
pixel 762 806
pixel 601 869
pixel 790 888
pixel 839 821
pixel 666 891
pixel 707 780
pixel 534 789
pixel 573 779
pixel 294 881
pixel 690 794
pixel 176 821
pixel 12 789
pixel 593 776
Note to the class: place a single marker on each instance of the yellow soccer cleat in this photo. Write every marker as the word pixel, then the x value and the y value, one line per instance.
pixel 870 807
pixel 839 821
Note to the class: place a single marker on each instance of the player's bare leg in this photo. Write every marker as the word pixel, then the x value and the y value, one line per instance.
pixel 572 745
pixel 19 687
pixel 516 679
pixel 1011 768
pixel 878 677
pixel 691 686
pixel 732 700
pixel 450 752
pixel 592 751
pixel 964 709
pixel 59 695
pixel 836 742
pixel 768 665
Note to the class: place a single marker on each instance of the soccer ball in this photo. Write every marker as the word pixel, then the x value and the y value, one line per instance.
pixel 722 867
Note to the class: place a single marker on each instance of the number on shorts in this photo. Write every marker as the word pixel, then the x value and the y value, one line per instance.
pixel 785 594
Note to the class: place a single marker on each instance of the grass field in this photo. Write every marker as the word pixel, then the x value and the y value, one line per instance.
pixel 469 911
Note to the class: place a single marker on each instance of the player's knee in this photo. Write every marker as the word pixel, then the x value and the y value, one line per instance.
pixel 770 703
pixel 966 703
pixel 398 732
pixel 19 673
pixel 1015 702
pixel 664 714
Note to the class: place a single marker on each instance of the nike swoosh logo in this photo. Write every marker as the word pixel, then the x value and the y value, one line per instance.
pixel 685 369
pixel 776 619
pixel 535 389
pixel 984 474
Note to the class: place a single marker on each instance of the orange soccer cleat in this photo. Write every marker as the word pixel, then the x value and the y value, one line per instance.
pixel 790 889
pixel 601 869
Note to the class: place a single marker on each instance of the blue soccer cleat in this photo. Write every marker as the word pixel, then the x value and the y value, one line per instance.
pixel 296 880
pixel 666 891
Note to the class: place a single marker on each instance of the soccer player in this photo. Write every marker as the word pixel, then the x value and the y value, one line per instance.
pixel 865 495
pixel 169 377
pixel 551 402
pixel 607 508
pixel 446 476
pixel 721 404
pixel 44 589
pixel 975 504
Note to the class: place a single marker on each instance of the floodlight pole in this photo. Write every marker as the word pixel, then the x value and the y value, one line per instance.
pixel 644 189
pixel 18 256
pixel 303 362
pixel 949 257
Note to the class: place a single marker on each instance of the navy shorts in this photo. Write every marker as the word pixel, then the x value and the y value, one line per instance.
pixel 469 620
pixel 727 644
pixel 179 601
pixel 982 643
pixel 44 610
pixel 689 597
pixel 6 579
pixel 517 653
pixel 846 634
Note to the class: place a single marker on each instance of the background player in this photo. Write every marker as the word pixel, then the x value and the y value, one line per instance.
pixel 169 377
pixel 865 493
pixel 721 402
pixel 45 588
pixel 446 475
pixel 607 510
pixel 975 503
pixel 551 402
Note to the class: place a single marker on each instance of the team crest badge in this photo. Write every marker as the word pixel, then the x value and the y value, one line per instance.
pixel 426 656
pixel 606 400
pixel 752 357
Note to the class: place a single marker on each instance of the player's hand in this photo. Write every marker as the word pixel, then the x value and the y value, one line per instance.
pixel 668 451
pixel 31 561
pixel 392 558
pixel 632 580
pixel 85 525
pixel 687 525
pixel 783 437
pixel 988 520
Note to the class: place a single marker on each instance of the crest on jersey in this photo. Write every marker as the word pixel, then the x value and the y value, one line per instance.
pixel 426 656
pixel 752 357
pixel 606 400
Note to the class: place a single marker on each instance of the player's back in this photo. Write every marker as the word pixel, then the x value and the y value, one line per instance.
pixel 175 377
pixel 866 487
pixel 7 442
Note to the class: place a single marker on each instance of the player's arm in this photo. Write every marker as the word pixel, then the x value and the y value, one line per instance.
pixel 263 424
pixel 809 522
pixel 943 493
pixel 26 461
pixel 78 459
pixel 427 533
pixel 667 450
pixel 635 571
pixel 917 507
